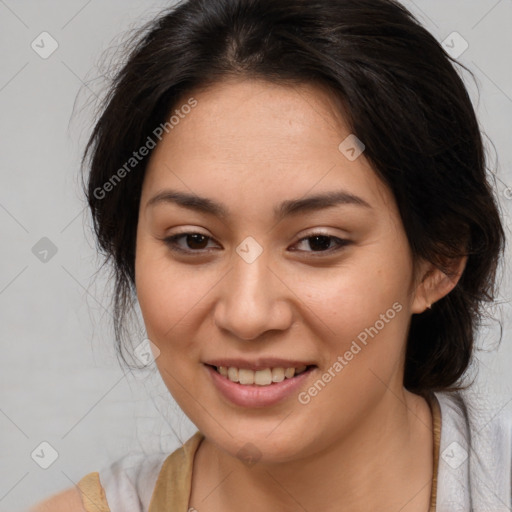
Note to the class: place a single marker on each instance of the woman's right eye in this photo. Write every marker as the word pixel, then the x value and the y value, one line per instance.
pixel 195 242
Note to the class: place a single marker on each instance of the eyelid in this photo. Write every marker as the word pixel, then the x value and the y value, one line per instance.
pixel 171 242
pixel 341 243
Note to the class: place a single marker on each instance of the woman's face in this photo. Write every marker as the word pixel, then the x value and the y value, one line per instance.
pixel 272 269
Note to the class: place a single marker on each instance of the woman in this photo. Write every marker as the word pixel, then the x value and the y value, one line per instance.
pixel 295 193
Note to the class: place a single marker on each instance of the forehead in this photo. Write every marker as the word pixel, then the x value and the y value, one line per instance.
pixel 238 115
pixel 265 138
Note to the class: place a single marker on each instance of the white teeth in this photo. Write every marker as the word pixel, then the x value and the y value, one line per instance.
pixel 277 374
pixel 263 377
pixel 233 374
pixel 259 377
pixel 245 376
pixel 289 373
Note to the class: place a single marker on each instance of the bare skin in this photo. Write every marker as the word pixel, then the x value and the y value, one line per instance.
pixel 65 501
pixel 364 442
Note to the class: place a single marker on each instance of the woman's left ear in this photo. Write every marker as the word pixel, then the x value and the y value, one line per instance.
pixel 434 284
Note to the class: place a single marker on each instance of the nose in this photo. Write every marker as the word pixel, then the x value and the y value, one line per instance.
pixel 253 299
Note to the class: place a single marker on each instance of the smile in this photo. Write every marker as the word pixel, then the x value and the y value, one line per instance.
pixel 264 377
pixel 257 388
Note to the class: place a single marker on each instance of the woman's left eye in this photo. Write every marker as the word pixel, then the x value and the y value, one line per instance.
pixel 321 242
pixel 197 242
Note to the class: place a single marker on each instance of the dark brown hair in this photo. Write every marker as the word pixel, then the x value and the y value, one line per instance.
pixel 403 97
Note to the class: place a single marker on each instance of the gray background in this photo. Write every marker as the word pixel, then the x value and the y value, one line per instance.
pixel 59 378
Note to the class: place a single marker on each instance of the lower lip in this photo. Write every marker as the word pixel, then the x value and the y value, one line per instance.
pixel 254 395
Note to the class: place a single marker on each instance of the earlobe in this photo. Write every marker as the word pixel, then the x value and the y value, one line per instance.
pixel 435 284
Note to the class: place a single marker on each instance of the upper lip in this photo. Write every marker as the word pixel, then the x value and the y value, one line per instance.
pixel 258 364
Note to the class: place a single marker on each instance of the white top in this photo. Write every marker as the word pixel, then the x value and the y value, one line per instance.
pixel 129 482
pixel 474 474
pixel 475 458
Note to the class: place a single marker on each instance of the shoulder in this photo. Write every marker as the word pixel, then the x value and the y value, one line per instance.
pixel 484 423
pixel 125 484
pixel 66 501
pixel 478 416
pixel 128 482
pixel 476 448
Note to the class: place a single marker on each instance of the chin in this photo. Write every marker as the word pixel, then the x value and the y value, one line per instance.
pixel 269 443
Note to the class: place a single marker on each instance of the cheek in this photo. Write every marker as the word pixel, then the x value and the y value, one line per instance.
pixel 169 296
pixel 361 318
pixel 362 310
pixel 353 296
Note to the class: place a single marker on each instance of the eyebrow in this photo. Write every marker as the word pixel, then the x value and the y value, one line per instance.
pixel 286 208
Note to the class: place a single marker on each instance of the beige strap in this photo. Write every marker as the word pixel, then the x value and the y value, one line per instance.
pixel 172 489
pixel 93 494
pixel 436 427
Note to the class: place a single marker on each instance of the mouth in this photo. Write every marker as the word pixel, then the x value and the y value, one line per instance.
pixel 263 387
pixel 263 377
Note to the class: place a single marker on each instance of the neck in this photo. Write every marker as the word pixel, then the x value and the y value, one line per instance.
pixel 385 463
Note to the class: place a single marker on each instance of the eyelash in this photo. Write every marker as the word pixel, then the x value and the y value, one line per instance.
pixel 171 243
